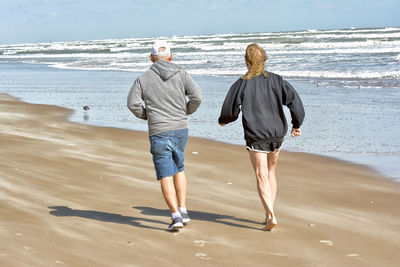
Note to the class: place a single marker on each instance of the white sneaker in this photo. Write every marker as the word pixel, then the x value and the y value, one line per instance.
pixel 185 217
pixel 176 224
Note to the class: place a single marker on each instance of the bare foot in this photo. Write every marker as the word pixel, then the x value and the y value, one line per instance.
pixel 270 223
pixel 268 218
pixel 269 227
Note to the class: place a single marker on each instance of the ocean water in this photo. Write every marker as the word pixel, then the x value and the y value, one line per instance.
pixel 347 57
pixel 349 81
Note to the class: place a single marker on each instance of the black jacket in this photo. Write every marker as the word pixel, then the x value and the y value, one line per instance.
pixel 261 100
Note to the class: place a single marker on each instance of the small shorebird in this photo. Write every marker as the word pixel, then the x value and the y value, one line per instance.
pixel 85 113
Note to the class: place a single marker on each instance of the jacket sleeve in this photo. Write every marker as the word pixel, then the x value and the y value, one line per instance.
pixel 193 92
pixel 135 100
pixel 292 100
pixel 231 107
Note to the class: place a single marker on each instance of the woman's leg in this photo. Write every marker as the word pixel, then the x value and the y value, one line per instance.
pixel 264 167
pixel 272 159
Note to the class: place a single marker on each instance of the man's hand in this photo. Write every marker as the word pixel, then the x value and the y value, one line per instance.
pixel 222 124
pixel 296 132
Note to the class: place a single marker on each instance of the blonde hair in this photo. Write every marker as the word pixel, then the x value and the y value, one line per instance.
pixel 256 57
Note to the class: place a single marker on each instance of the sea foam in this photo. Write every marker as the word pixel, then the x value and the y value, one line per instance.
pixel 339 54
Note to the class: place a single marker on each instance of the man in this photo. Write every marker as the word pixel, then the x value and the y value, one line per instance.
pixel 163 89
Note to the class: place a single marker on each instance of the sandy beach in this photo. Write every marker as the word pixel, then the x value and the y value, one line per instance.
pixel 80 195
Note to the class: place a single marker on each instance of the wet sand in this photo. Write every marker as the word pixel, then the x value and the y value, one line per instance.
pixel 79 195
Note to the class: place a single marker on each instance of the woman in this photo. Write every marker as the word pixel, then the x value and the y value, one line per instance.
pixel 261 96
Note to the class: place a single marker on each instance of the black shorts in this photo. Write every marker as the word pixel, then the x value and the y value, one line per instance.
pixel 264 146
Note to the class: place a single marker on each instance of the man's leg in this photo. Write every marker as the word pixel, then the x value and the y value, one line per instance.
pixel 181 190
pixel 163 158
pixel 168 190
pixel 180 182
pixel 169 193
pixel 180 179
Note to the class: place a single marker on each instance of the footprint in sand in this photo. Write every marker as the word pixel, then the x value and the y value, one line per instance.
pixel 200 243
pixel 354 255
pixel 326 242
pixel 203 256
pixel 277 254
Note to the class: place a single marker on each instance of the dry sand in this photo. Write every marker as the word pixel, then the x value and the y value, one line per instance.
pixel 78 195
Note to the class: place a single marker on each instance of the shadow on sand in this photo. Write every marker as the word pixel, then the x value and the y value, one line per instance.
pixel 202 216
pixel 64 211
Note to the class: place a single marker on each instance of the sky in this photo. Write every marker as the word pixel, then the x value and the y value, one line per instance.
pixel 25 21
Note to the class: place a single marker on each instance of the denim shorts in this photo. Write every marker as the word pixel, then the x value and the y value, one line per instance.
pixel 168 150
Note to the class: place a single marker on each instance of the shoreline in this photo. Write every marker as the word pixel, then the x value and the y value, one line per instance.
pixel 350 144
pixel 71 112
pixel 83 195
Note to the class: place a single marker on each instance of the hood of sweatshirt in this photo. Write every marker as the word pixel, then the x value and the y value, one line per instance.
pixel 165 69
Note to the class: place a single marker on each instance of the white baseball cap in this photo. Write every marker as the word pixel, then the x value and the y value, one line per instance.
pixel 157 45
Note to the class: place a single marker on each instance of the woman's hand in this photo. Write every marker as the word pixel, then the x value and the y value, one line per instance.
pixel 296 132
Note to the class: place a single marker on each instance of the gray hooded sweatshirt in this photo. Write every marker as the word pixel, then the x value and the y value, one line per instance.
pixel 163 89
